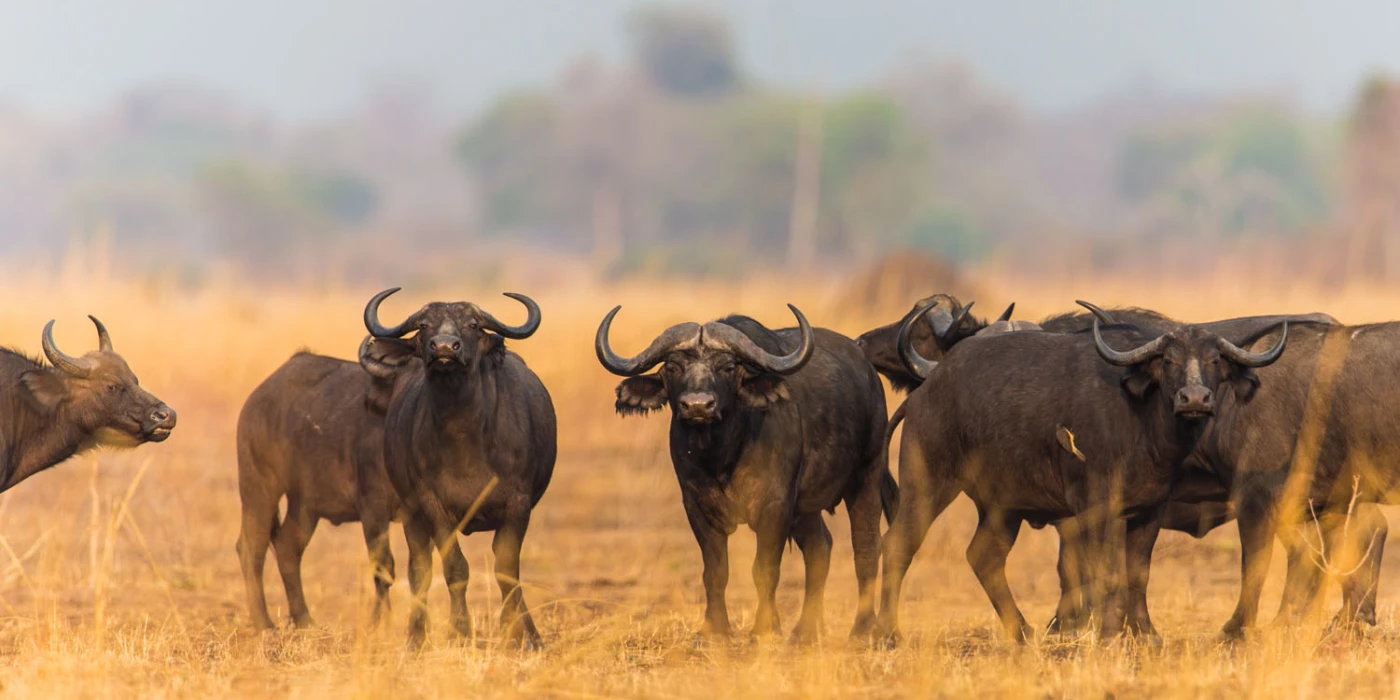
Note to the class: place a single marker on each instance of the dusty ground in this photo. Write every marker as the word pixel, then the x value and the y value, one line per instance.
pixel 118 575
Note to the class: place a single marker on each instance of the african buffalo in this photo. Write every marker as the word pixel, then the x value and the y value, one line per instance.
pixel 1321 434
pixel 469 445
pixel 313 433
pixel 768 428
pixel 77 404
pixel 988 422
pixel 1199 503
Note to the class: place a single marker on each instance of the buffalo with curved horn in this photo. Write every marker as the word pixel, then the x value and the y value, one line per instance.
pixel 987 424
pixel 768 429
pixel 469 446
pixel 77 404
pixel 1201 502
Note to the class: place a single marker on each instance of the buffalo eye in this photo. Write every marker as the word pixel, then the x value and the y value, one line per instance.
pixel 113 388
pixel 672 368
pixel 473 325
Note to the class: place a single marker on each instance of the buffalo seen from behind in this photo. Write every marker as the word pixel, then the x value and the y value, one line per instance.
pixel 1200 501
pixel 313 434
pixel 52 413
pixel 469 446
pixel 769 429
pixel 988 422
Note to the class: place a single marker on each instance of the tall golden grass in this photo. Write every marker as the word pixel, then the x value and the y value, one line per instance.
pixel 118 575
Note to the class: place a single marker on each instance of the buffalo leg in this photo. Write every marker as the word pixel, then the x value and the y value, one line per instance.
pixel 516 623
pixel 1141 539
pixel 442 528
pixel 381 557
pixel 456 573
pixel 1074 569
pixel 864 512
pixel 714 551
pixel 1369 530
pixel 1256 523
pixel 259 522
pixel 290 543
pixel 1304 581
pixel 996 534
pixel 420 576
pixel 772 532
pixel 921 501
pixel 815 541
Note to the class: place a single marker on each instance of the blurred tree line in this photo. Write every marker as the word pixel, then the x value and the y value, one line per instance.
pixel 679 161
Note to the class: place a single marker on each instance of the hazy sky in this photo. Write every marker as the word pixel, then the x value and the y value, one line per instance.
pixel 303 59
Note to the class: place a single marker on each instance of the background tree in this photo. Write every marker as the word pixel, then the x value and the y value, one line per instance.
pixel 686 50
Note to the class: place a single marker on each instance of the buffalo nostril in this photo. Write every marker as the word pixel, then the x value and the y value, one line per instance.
pixel 456 346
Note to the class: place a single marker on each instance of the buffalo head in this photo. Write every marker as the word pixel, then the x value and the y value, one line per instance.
pixel 452 336
pixel 99 393
pixel 947 323
pixel 1188 365
pixel 705 370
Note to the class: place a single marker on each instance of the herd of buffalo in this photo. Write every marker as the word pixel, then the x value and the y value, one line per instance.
pixel 1107 424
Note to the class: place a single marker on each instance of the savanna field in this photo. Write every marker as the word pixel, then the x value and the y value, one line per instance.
pixel 118 575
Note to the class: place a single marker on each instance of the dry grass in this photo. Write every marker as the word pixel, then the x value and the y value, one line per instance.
pixel 118 575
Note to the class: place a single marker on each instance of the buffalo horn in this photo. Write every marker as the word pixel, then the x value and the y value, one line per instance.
pixel 75 366
pixel 746 349
pixel 648 358
pixel 1103 316
pixel 1135 356
pixel 104 341
pixel 915 363
pixel 375 328
pixel 525 330
pixel 1245 358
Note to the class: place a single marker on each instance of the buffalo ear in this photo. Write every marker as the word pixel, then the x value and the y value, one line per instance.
pixel 391 352
pixel 44 388
pixel 1245 382
pixel 638 396
pixel 763 391
pixel 1141 378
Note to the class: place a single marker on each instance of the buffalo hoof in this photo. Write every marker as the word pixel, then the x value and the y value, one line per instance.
pixel 1349 626
pixel 766 627
pixel 888 640
pixel 1023 635
pixel 864 627
pixel 417 634
pixel 715 631
pixel 805 636
pixel 304 622
pixel 464 629
pixel 1065 626
pixel 1232 632
pixel 1148 639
